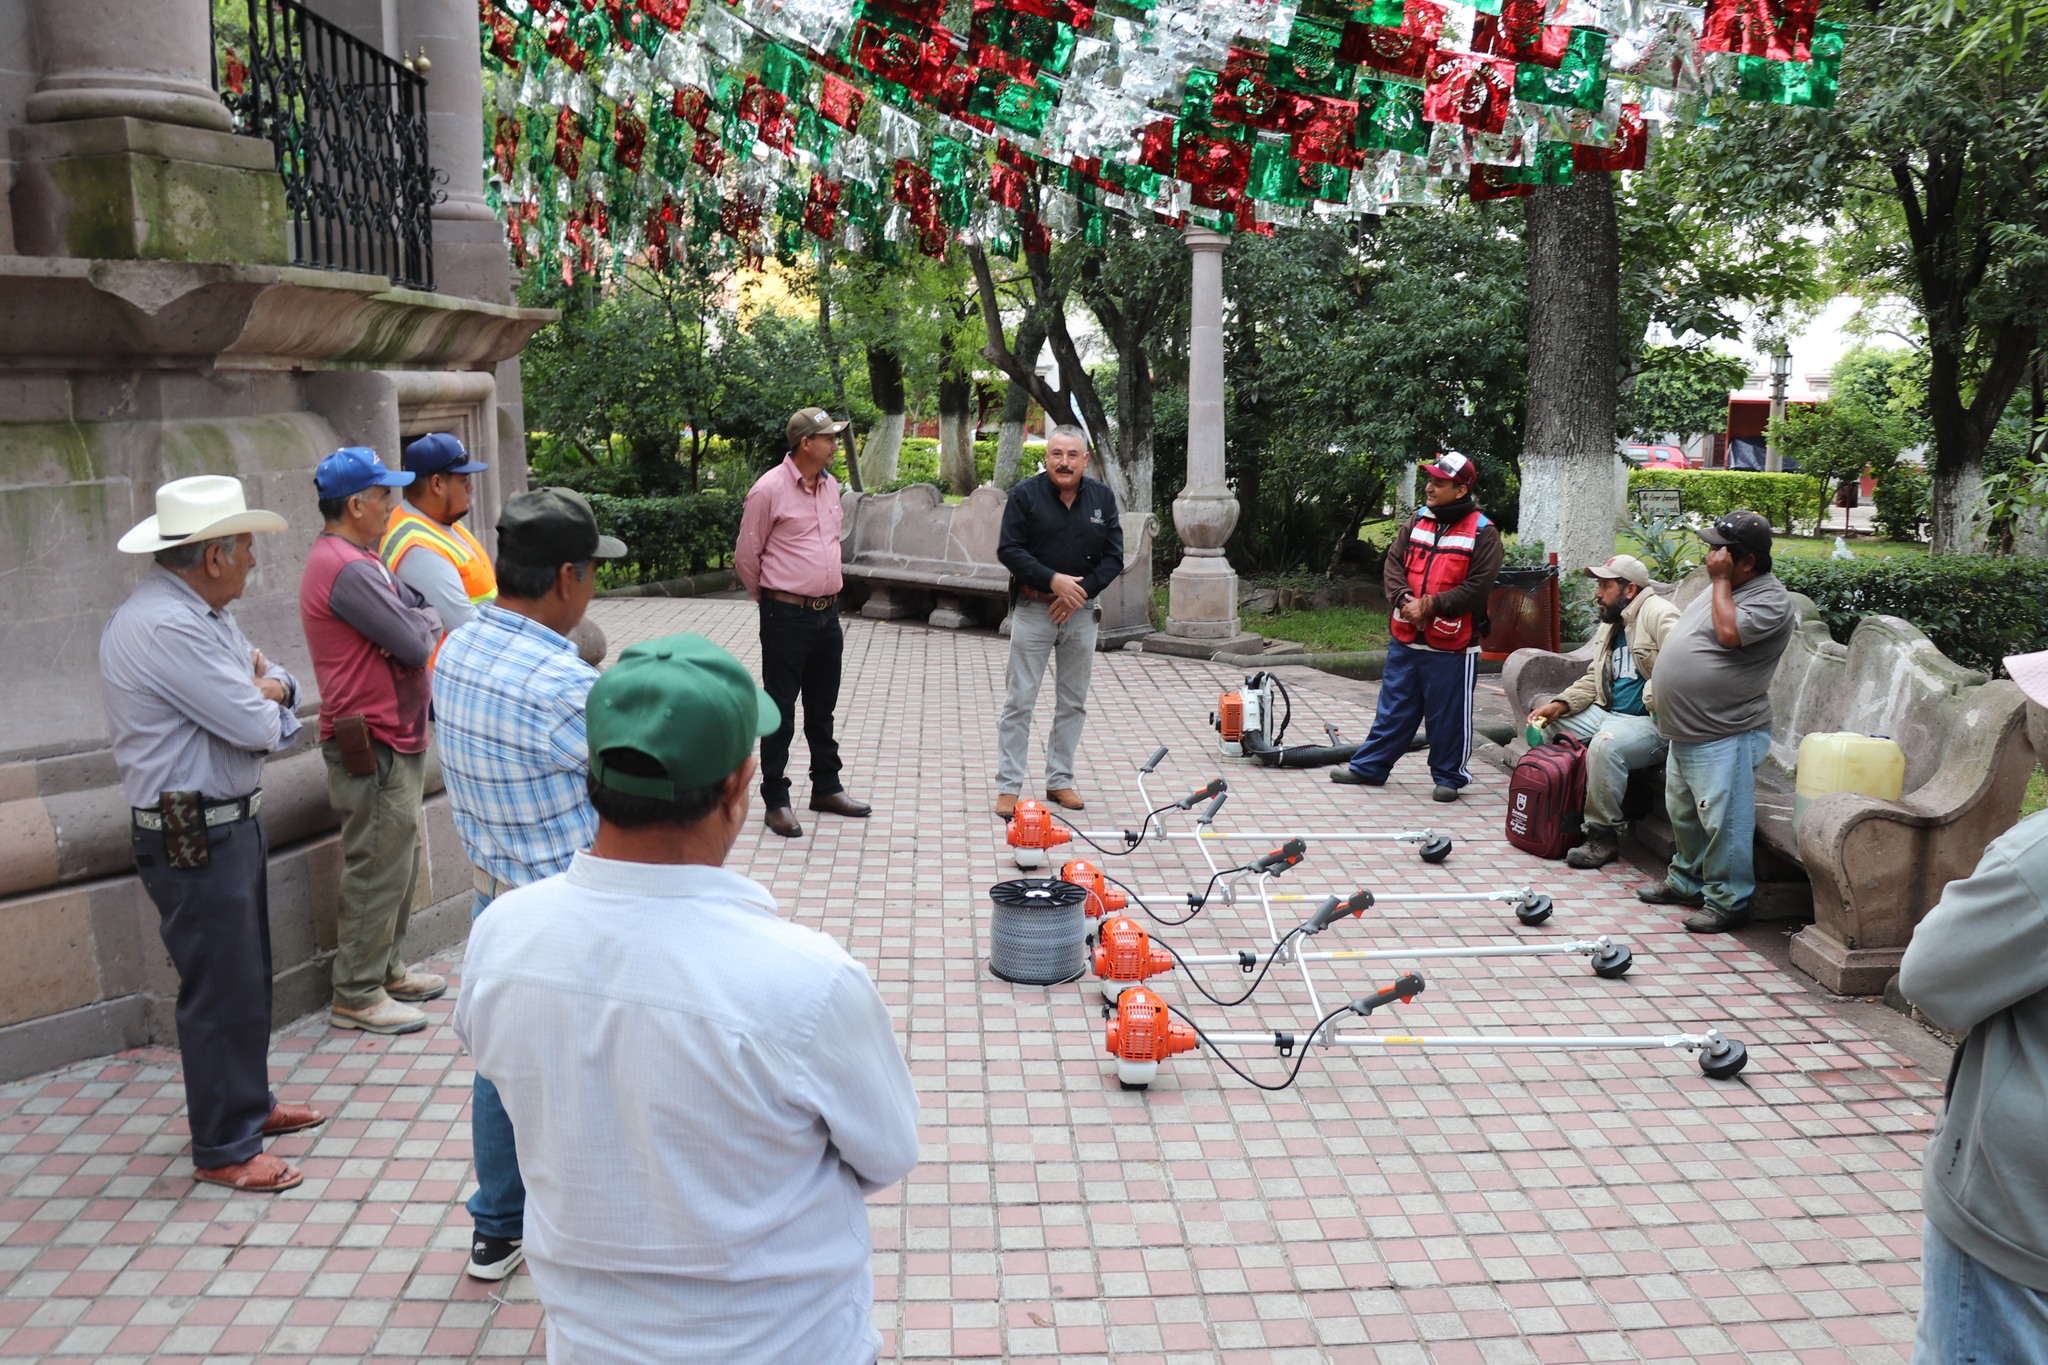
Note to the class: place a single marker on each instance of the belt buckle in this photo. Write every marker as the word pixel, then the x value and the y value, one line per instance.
pixel 817 603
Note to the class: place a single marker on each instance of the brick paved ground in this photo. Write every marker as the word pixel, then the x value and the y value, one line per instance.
pixel 1482 1207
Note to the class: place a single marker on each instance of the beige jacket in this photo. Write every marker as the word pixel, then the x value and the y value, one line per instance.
pixel 1647 619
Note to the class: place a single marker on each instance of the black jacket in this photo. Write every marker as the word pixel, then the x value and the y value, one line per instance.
pixel 1043 536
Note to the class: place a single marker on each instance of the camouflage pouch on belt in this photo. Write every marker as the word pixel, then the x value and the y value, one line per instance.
pixel 185 846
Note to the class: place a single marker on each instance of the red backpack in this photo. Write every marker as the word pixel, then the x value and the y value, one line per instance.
pixel 1547 798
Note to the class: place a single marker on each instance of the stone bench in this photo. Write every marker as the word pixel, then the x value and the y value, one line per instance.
pixel 1871 868
pixel 911 553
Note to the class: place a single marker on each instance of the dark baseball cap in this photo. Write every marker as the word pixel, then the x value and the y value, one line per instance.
pixel 550 526
pixel 685 706
pixel 437 452
pixel 810 422
pixel 1746 529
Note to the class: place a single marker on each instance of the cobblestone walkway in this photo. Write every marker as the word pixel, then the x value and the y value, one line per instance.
pixel 1498 1207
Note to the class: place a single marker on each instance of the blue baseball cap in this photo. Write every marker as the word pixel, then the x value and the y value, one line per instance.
pixel 351 469
pixel 437 452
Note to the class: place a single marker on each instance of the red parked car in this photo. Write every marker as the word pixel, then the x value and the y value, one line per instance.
pixel 1645 456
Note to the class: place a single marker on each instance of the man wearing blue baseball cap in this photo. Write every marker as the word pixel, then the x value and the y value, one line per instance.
pixel 703 1091
pixel 371 638
pixel 426 544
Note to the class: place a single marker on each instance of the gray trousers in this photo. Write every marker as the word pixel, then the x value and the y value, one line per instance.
pixel 1034 638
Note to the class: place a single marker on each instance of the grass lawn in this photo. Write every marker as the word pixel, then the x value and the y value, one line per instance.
pixel 1325 630
pixel 1801 547
pixel 2037 793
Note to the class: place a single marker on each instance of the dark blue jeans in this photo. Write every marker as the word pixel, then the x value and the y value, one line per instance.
pixel 1418 683
pixel 498 1208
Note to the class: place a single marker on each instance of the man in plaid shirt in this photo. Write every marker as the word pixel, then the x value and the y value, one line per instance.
pixel 508 711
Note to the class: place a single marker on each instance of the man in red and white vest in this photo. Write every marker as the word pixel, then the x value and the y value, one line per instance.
pixel 1439 570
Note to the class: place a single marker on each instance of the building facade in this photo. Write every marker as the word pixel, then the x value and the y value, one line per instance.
pixel 196 284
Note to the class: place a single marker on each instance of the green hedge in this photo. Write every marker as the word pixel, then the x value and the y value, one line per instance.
pixel 670 537
pixel 1713 493
pixel 1976 609
pixel 919 463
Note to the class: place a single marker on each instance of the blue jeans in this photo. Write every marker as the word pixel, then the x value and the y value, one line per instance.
pixel 1616 745
pixel 1972 1315
pixel 498 1208
pixel 1419 682
pixel 1710 795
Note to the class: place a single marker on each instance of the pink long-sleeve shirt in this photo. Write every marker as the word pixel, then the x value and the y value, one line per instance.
pixel 789 535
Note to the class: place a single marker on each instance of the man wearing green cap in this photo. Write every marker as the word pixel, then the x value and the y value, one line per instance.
pixel 703 1091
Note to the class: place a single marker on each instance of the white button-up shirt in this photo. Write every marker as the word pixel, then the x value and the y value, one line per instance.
pixel 702 1093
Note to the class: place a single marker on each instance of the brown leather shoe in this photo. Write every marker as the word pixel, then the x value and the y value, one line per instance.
pixel 291 1118
pixel 782 820
pixel 260 1174
pixel 1006 805
pixel 1067 797
pixel 839 803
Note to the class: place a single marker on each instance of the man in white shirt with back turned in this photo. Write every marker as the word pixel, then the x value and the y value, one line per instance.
pixel 704 1092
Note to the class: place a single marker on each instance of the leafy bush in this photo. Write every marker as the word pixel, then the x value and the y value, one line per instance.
pixel 670 537
pixel 1977 609
pixel 1669 550
pixel 1904 502
pixel 1714 493
pixel 918 462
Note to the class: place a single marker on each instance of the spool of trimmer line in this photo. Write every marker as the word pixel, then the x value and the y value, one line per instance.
pixel 1037 931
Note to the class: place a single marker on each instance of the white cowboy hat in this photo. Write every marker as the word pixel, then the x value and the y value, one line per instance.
pixel 2030 671
pixel 204 507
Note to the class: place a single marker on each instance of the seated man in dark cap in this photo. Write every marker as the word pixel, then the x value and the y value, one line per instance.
pixel 1712 700
pixel 704 1092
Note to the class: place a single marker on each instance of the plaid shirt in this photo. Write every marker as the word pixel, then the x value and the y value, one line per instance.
pixel 508 712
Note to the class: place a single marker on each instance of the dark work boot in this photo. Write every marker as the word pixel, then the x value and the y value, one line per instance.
pixel 1600 849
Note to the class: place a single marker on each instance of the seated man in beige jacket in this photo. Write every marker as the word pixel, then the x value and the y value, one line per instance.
pixel 1609 707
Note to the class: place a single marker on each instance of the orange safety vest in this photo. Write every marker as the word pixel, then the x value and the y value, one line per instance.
pixel 408 531
pixel 1439 558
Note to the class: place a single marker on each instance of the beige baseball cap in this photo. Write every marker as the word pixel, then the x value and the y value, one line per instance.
pixel 811 422
pixel 1625 567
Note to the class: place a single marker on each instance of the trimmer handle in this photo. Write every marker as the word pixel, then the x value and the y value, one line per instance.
pixel 1405 988
pixel 1215 787
pixel 1281 858
pixel 1149 764
pixel 1335 909
pixel 1208 817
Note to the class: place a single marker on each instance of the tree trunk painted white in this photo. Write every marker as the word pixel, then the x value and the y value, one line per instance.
pixel 1568 459
pixel 1009 453
pixel 884 444
pixel 1958 495
pixel 956 452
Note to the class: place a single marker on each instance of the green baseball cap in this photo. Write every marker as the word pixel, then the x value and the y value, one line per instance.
pixel 684 703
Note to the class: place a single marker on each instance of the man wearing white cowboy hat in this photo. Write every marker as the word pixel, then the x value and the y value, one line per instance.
pixel 1978 964
pixel 192 708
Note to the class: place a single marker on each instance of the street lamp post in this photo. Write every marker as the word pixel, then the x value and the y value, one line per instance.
pixel 1781 374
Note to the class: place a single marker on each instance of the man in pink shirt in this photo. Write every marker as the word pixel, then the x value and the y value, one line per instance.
pixel 788 558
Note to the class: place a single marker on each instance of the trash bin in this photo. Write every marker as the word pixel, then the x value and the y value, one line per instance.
pixel 1522 612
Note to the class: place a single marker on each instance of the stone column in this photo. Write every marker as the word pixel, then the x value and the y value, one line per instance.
pixel 117 59
pixel 1201 611
pixel 127 153
pixel 469 242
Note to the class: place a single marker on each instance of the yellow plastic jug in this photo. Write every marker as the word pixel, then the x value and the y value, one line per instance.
pixel 1871 765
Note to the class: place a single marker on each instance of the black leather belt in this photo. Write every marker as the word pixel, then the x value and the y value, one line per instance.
pixel 217 812
pixel 798 600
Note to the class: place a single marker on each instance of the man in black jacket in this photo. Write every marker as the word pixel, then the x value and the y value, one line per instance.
pixel 1063 544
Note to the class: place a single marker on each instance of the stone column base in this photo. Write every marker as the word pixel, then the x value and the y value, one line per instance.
pixel 1842 969
pixel 1181 646
pixel 889 603
pixel 125 189
pixel 1201 599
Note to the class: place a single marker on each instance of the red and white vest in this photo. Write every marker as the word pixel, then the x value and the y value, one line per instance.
pixel 1439 558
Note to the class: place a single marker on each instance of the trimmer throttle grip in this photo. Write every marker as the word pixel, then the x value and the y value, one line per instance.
pixel 1406 987
pixel 1281 858
pixel 1195 798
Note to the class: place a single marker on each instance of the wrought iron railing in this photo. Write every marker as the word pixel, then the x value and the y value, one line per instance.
pixel 349 127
